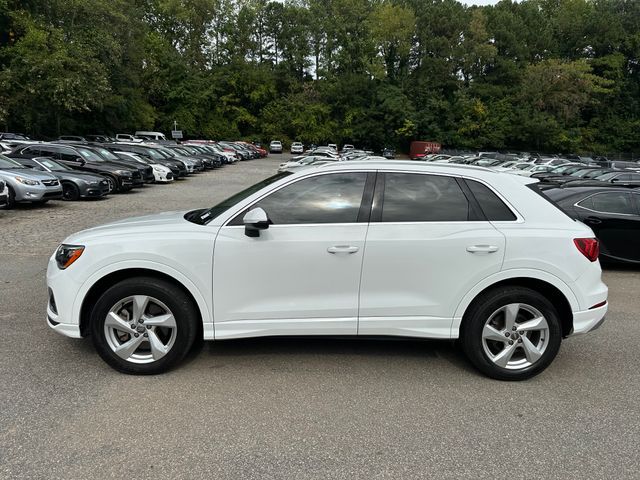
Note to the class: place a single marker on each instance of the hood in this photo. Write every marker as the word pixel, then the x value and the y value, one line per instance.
pixel 159 222
pixel 28 173
pixel 77 175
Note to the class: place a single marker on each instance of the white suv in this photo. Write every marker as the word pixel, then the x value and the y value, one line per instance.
pixel 348 248
pixel 297 147
pixel 275 146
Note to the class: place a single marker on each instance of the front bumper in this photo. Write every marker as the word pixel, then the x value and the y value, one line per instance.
pixel 35 193
pixel 588 320
pixel 66 329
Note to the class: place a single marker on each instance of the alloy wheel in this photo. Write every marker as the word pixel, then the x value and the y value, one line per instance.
pixel 515 336
pixel 140 329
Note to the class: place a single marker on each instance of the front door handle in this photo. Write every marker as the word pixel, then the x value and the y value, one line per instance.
pixel 343 249
pixel 482 249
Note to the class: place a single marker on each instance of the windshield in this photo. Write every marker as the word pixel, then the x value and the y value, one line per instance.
pixel 53 165
pixel 106 153
pixel 580 172
pixel 7 163
pixel 202 217
pixel 155 154
pixel 606 176
pixel 89 155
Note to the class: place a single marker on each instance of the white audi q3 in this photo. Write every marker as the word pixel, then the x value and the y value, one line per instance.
pixel 408 249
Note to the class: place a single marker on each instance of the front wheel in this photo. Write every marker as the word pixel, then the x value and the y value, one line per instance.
pixel 511 333
pixel 143 325
pixel 70 191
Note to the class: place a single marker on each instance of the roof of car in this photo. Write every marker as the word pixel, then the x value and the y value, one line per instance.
pixel 561 192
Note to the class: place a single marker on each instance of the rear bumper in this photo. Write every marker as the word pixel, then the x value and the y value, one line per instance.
pixel 588 320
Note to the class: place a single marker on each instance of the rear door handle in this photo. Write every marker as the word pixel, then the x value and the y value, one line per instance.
pixel 482 249
pixel 343 249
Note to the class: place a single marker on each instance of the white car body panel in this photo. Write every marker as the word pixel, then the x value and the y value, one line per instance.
pixel 409 278
pixel 277 286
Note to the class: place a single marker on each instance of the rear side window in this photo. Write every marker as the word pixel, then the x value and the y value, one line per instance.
pixel 614 202
pixel 493 208
pixel 410 197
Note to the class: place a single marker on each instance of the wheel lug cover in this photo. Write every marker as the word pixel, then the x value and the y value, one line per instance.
pixel 146 335
pixel 519 340
pixel 148 327
pixel 510 342
pixel 514 328
pixel 507 334
pixel 141 321
pixel 133 325
pixel 137 335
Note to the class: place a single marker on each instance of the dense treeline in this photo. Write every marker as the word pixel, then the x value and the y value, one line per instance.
pixel 549 75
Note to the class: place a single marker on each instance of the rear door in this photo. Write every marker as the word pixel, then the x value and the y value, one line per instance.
pixel 428 243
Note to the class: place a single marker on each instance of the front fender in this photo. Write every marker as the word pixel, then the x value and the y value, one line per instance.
pixel 203 301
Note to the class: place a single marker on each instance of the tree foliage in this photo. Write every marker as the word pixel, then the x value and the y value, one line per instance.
pixel 553 75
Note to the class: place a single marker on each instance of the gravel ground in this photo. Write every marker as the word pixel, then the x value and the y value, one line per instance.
pixel 292 408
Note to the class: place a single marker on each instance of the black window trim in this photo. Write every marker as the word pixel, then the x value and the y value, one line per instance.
pixel 364 213
pixel 475 211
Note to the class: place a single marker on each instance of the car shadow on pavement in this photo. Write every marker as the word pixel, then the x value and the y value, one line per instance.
pixel 365 347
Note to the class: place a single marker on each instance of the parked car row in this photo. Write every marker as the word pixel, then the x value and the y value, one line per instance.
pixel 71 169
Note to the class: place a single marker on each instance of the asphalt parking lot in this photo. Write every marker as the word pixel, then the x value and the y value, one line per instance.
pixel 292 408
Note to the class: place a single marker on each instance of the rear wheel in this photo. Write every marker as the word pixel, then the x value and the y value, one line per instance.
pixel 143 325
pixel 511 333
pixel 70 191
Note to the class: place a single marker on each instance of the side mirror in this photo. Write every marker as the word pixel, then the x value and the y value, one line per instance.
pixel 80 160
pixel 255 220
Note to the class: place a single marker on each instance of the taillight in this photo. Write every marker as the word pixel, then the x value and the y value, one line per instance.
pixel 589 247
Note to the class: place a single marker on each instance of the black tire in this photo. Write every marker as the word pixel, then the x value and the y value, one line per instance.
pixel 178 302
pixel 11 198
pixel 70 191
pixel 481 311
pixel 113 184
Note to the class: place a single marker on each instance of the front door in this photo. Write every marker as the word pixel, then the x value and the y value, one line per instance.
pixel 300 276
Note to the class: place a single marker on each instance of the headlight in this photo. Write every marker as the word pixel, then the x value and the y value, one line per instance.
pixel 67 254
pixel 26 181
pixel 158 169
pixel 123 173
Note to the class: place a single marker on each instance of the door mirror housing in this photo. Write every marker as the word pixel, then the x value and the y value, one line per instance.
pixel 255 220
pixel 80 160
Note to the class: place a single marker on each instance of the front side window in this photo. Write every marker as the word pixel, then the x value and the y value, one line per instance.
pixel 412 197
pixel 331 198
pixel 614 202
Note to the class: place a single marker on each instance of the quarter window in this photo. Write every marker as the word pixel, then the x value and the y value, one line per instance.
pixel 494 208
pixel 332 198
pixel 423 198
